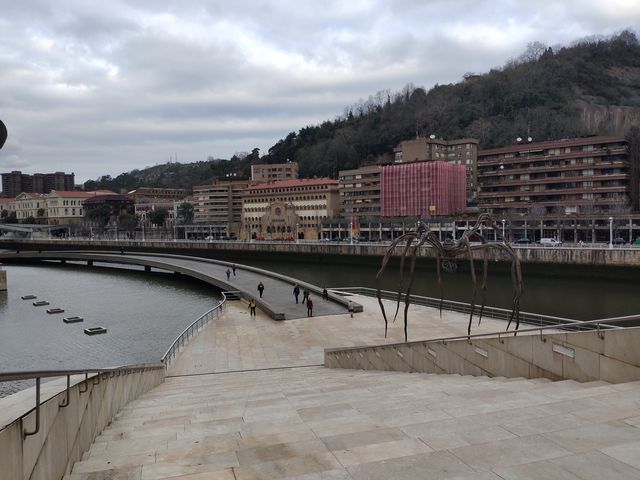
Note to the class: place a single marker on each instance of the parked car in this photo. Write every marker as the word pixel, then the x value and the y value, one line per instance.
pixel 523 240
pixel 618 241
pixel 549 242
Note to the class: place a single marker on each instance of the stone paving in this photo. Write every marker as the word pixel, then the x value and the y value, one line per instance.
pixel 245 401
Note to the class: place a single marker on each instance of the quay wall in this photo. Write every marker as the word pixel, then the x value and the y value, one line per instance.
pixel 608 355
pixel 67 432
pixel 340 252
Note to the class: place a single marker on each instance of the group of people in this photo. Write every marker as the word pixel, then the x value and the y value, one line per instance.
pixel 229 271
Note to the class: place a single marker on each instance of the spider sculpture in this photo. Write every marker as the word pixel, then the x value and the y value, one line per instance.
pixel 446 253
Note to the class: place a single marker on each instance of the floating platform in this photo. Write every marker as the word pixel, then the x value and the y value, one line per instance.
pixel 55 310
pixel 72 319
pixel 28 297
pixel 40 303
pixel 95 330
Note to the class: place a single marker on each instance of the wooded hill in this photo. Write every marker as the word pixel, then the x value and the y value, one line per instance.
pixel 589 88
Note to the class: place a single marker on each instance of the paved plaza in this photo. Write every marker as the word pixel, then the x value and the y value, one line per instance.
pixel 248 399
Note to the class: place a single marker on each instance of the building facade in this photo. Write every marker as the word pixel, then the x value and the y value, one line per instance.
pixel 16 182
pixel 65 207
pixel 220 206
pixel 289 209
pixel 462 151
pixel 265 172
pixel 360 192
pixel 31 205
pixel 145 194
pixel 422 189
pixel 576 176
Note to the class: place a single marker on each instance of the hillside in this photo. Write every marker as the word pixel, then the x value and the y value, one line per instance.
pixel 590 88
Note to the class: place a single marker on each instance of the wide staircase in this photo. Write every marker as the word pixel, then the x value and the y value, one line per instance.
pixel 317 423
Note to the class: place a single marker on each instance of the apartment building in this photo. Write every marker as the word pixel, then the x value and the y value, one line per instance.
pixel 422 189
pixel 288 208
pixel 16 182
pixel 220 203
pixel 145 194
pixel 265 172
pixel 360 192
pixel 463 151
pixel 589 175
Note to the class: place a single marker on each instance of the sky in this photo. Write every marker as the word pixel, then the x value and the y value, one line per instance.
pixel 101 88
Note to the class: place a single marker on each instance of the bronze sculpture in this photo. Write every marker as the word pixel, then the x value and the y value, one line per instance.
pixel 446 253
pixel 3 134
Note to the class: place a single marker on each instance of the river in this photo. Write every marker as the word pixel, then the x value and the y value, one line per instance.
pixel 143 314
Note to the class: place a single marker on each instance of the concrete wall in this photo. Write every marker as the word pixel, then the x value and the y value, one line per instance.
pixel 66 433
pixel 610 355
pixel 618 256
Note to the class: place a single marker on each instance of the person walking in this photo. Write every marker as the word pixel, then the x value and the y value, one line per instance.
pixel 228 274
pixel 325 294
pixel 351 307
pixel 233 267
pixel 252 307
pixel 296 291
pixel 305 295
pixel 260 289
pixel 309 307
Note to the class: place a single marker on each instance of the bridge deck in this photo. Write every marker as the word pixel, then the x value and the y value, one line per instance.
pixel 277 300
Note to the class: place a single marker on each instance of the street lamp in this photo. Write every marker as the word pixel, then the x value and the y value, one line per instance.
pixel 610 232
pixel 297 233
pixel 503 222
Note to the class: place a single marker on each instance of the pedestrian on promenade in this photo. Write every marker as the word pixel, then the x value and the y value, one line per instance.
pixel 228 274
pixel 296 291
pixel 260 289
pixel 233 267
pixel 252 307
pixel 325 294
pixel 309 307
pixel 351 306
pixel 305 295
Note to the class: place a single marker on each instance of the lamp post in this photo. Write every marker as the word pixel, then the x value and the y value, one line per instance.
pixel 610 232
pixel 297 233
pixel 351 233
pixel 503 223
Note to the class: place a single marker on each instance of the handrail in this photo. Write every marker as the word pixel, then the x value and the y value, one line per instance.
pixel 40 374
pixel 200 322
pixel 456 306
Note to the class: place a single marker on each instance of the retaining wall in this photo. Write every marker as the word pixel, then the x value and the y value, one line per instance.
pixel 609 355
pixel 67 432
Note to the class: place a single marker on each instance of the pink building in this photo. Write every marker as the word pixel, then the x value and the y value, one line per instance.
pixel 422 189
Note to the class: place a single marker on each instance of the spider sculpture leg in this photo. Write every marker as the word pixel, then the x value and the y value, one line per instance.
pixel 385 261
pixel 407 297
pixel 474 286
pixel 483 287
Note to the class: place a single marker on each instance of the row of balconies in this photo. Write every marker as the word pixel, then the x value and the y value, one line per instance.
pixel 596 152
pixel 565 191
pixel 553 168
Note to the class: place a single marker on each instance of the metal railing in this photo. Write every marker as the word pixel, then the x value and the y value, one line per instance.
pixel 100 374
pixel 192 329
pixel 462 307
pixel 587 325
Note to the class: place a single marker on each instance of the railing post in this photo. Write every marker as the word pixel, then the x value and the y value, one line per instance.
pixel 86 383
pixel 37 429
pixel 66 400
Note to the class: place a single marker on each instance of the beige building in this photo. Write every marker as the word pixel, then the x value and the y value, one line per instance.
pixel 65 207
pixel 463 151
pixel 31 205
pixel 289 208
pixel 275 171
pixel 220 205
pixel 7 205
pixel 145 194
pixel 360 192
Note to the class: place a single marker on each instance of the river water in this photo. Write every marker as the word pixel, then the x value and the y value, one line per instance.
pixel 143 314
pixel 586 295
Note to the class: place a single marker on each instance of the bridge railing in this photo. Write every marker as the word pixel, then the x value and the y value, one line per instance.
pixel 192 329
pixel 462 307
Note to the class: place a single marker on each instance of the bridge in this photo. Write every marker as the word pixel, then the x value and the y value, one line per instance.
pixel 277 300
pixel 586 254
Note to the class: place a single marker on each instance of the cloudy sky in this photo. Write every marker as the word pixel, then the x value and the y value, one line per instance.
pixel 101 88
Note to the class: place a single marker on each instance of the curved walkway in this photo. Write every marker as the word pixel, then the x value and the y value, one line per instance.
pixel 277 300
